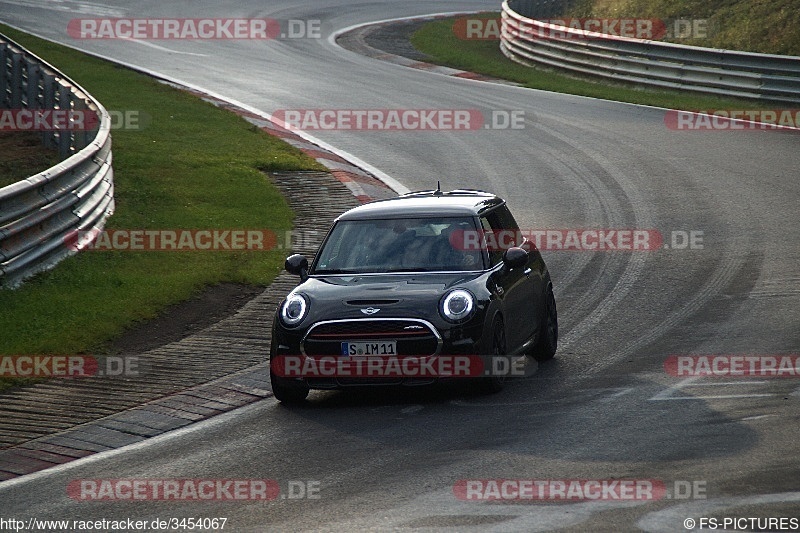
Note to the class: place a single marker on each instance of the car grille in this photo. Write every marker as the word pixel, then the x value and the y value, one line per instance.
pixel 413 336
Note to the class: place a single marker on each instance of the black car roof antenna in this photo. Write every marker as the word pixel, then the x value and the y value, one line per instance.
pixel 438 191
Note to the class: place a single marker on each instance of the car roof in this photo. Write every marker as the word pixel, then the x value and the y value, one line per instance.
pixel 461 202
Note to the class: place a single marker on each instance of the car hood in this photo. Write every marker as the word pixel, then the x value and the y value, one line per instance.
pixel 406 295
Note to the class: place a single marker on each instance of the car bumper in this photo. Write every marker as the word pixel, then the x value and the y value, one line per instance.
pixel 454 355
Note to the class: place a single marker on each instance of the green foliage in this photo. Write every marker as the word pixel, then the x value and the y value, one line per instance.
pixel 766 26
pixel 190 166
pixel 22 155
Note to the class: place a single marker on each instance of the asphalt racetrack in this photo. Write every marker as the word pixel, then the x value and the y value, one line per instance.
pixel 606 408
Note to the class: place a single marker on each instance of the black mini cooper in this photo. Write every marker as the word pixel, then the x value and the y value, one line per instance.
pixel 420 278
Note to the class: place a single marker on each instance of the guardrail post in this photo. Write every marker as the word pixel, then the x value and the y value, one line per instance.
pixel 82 136
pixel 39 214
pixel 33 74
pixel 64 135
pixel 16 81
pixel 49 102
pixel 4 76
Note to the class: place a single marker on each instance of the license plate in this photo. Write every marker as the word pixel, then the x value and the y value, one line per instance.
pixel 369 348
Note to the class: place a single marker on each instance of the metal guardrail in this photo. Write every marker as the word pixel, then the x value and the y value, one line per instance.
pixel 42 216
pixel 767 77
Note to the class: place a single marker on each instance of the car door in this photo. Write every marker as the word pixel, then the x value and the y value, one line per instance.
pixel 517 288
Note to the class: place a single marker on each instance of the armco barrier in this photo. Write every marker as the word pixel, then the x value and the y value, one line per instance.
pixel 40 214
pixel 528 41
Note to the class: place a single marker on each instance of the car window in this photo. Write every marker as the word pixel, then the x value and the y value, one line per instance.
pixel 501 232
pixel 399 245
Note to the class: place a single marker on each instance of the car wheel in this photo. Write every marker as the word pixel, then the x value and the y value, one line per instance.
pixel 546 347
pixel 497 383
pixel 287 391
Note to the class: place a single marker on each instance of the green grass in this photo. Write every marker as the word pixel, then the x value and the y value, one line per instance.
pixel 438 40
pixel 22 155
pixel 194 166
pixel 766 26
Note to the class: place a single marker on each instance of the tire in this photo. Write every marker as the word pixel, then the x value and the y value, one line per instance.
pixel 286 390
pixel 495 384
pixel 546 347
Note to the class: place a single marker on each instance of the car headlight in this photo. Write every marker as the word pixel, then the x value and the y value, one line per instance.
pixel 294 309
pixel 457 305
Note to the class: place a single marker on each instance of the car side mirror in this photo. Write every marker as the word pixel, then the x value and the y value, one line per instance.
pixel 297 264
pixel 515 257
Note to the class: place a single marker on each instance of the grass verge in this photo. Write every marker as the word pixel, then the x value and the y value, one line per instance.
pixel 194 166
pixel 22 155
pixel 767 27
pixel 438 40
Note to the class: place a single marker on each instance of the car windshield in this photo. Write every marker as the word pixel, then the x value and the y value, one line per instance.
pixel 400 245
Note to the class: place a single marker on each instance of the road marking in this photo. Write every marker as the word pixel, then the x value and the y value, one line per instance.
pixel 412 409
pixel 757 417
pixel 620 392
pixel 716 383
pixel 201 425
pixel 715 397
pixel 668 394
